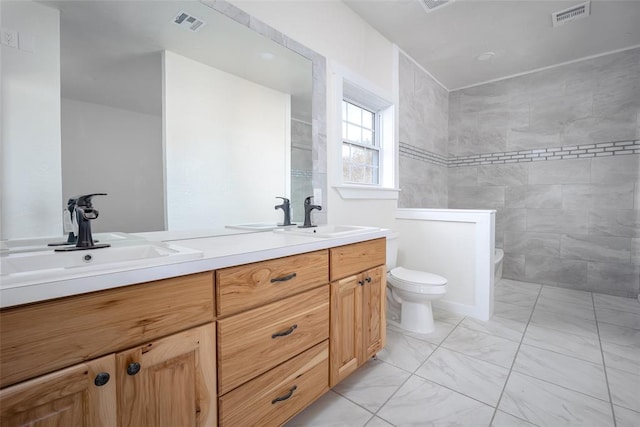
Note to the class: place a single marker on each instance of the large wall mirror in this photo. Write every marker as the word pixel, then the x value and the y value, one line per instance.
pixel 185 117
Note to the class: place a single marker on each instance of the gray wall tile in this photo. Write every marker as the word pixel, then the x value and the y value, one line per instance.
pixel 561 172
pixel 596 248
pixel 557 221
pixel 614 222
pixel 615 279
pixel 463 177
pixel 534 196
pixel 528 243
pixel 513 266
pixel 476 197
pixel 514 174
pixel 612 196
pixel 554 270
pixel 616 169
pixel 635 251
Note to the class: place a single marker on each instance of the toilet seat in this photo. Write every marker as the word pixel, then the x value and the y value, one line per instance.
pixel 417 281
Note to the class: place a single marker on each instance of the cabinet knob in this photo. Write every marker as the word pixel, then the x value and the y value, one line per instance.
pixel 101 379
pixel 368 279
pixel 133 368
pixel 361 282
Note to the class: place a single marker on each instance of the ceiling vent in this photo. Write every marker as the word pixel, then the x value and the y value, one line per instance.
pixel 571 14
pixel 188 22
pixel 430 5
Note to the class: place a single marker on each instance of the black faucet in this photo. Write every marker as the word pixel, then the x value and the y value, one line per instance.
pixel 308 207
pixel 84 214
pixel 286 208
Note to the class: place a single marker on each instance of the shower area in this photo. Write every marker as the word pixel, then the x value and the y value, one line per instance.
pixel 555 152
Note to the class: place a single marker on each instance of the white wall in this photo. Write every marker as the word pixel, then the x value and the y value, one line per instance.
pixel 125 162
pixel 227 147
pixel 336 32
pixel 31 124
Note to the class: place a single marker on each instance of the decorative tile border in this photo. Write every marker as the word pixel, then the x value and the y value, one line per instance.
pixel 301 173
pixel 413 152
pixel 616 148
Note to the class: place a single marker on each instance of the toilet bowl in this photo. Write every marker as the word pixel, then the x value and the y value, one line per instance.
pixel 413 291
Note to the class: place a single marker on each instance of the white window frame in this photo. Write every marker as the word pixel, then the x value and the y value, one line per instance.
pixel 353 88
pixel 375 143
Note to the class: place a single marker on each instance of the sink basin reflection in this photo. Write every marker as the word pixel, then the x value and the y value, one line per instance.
pixel 328 231
pixel 42 243
pixel 28 266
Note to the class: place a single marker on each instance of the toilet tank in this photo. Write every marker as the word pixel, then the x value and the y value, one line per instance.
pixel 392 250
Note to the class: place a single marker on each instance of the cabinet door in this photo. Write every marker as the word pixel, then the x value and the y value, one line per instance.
pixel 345 328
pixel 82 395
pixel 373 311
pixel 169 382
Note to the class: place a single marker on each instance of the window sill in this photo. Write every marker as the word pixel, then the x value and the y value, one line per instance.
pixel 367 192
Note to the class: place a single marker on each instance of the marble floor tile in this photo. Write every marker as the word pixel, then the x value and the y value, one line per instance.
pixel 490 348
pixel 331 410
pixel 622 357
pixel 619 334
pixel 631 305
pixel 564 322
pixel 625 388
pixel 585 348
pixel 547 404
pixel 532 289
pixel 558 306
pixel 498 326
pixel 626 417
pixel 378 422
pixel 372 384
pixel 502 419
pixel 472 377
pixel 569 296
pixel 404 351
pixel 442 315
pixel 440 332
pixel 422 403
pixel 565 371
pixel 512 311
pixel 617 317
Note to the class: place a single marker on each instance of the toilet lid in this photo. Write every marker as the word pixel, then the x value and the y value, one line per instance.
pixel 417 277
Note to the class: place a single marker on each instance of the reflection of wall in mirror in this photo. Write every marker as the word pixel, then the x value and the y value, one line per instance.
pixel 31 187
pixel 225 157
pixel 301 167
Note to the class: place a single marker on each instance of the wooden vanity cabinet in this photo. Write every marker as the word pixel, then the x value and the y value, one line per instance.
pixel 358 319
pixel 83 395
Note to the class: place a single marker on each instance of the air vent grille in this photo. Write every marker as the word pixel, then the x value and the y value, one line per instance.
pixel 571 14
pixel 429 5
pixel 188 22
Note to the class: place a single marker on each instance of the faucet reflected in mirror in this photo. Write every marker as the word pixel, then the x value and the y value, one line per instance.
pixel 286 208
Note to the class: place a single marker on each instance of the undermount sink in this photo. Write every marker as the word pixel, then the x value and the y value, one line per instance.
pixel 25 267
pixel 328 231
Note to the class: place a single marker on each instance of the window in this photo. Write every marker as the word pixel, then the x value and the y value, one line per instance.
pixel 360 145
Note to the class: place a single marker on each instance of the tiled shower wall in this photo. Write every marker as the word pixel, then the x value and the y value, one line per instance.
pixel 423 125
pixel 301 167
pixel 557 154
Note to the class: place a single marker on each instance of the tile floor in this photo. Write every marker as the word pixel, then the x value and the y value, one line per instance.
pixel 549 357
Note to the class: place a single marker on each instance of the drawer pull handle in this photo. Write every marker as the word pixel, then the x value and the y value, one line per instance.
pixel 286 396
pixel 283 278
pixel 285 333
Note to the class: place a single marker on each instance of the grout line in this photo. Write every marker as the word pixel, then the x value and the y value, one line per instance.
pixel 516 356
pixel 604 363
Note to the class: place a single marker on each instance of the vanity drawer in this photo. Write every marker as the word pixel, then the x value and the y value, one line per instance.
pixel 277 395
pixel 251 285
pixel 352 259
pixel 47 336
pixel 255 341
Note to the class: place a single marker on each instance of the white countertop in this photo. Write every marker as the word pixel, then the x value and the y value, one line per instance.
pixel 218 252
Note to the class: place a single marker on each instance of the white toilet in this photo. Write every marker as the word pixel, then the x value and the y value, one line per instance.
pixel 413 290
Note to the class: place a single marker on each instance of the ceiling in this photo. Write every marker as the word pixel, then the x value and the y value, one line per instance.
pixel 447 40
pixel 106 46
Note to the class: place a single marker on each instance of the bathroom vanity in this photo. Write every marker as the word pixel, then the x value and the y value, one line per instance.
pixel 259 328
